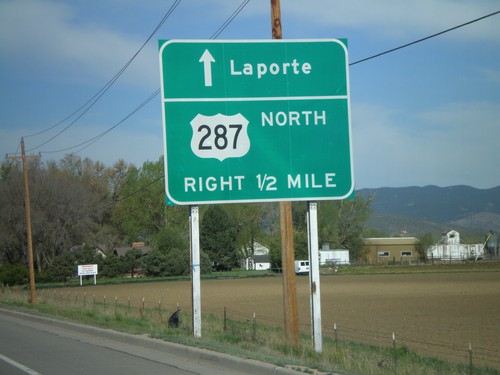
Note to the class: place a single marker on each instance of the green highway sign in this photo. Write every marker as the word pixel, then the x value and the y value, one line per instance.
pixel 253 121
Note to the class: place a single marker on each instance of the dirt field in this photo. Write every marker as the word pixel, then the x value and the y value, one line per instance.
pixel 435 314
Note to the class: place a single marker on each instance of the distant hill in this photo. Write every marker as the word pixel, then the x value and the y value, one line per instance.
pixel 417 210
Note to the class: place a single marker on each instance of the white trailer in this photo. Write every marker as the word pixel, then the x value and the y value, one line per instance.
pixel 333 257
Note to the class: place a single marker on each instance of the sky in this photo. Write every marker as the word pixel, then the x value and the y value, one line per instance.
pixel 428 114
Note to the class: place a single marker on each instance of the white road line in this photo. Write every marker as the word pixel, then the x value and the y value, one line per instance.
pixel 19 366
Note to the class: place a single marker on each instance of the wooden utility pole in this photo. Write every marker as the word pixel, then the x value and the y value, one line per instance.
pixel 27 206
pixel 290 306
pixel 276 19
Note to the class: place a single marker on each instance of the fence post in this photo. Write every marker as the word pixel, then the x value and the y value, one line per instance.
pixel 335 336
pixel 394 351
pixel 225 319
pixel 471 368
pixel 254 328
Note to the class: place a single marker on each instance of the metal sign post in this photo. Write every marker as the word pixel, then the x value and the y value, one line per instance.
pixel 194 227
pixel 256 121
pixel 314 278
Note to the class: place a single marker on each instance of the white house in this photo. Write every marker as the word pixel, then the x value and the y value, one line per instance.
pixel 450 248
pixel 260 259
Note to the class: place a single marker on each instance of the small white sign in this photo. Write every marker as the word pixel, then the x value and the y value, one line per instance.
pixel 87 270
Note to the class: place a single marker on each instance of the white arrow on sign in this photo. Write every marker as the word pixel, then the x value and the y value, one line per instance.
pixel 207 59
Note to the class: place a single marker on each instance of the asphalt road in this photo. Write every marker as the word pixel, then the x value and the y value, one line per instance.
pixel 41 346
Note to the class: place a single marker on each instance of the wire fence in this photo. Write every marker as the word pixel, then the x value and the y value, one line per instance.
pixel 163 312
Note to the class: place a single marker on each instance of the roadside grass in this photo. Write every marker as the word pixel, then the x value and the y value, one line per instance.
pixel 245 339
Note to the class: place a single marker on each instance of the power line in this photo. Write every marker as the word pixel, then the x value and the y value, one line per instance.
pixel 92 140
pixel 238 10
pixel 229 20
pixel 93 100
pixel 424 39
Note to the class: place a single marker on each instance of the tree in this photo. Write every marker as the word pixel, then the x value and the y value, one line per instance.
pixel 300 245
pixel 70 204
pixel 131 261
pixel 155 264
pixel 275 252
pixel 218 237
pixel 112 266
pixel 141 213
pixel 248 219
pixel 341 223
pixel 174 263
pixel 12 219
pixel 171 237
pixel 424 242
pixel 64 211
pixel 62 268
pixel 13 274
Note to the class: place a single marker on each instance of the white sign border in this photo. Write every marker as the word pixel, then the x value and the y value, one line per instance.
pixel 235 41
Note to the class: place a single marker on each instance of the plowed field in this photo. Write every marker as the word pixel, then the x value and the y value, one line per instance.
pixel 435 314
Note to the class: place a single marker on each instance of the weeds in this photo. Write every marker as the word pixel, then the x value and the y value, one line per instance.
pixel 246 339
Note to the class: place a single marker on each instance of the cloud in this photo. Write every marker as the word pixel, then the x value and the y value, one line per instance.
pixel 449 145
pixel 398 19
pixel 47 35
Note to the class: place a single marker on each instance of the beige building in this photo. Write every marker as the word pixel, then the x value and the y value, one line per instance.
pixel 391 249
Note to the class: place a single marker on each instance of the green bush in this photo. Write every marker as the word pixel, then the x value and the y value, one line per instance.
pixel 155 264
pixel 62 268
pixel 112 266
pixel 175 262
pixel 13 274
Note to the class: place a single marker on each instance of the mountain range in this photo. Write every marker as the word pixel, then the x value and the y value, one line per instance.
pixel 412 211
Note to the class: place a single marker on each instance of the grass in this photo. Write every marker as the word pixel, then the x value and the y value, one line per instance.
pixel 236 274
pixel 437 267
pixel 246 339
pixel 354 269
